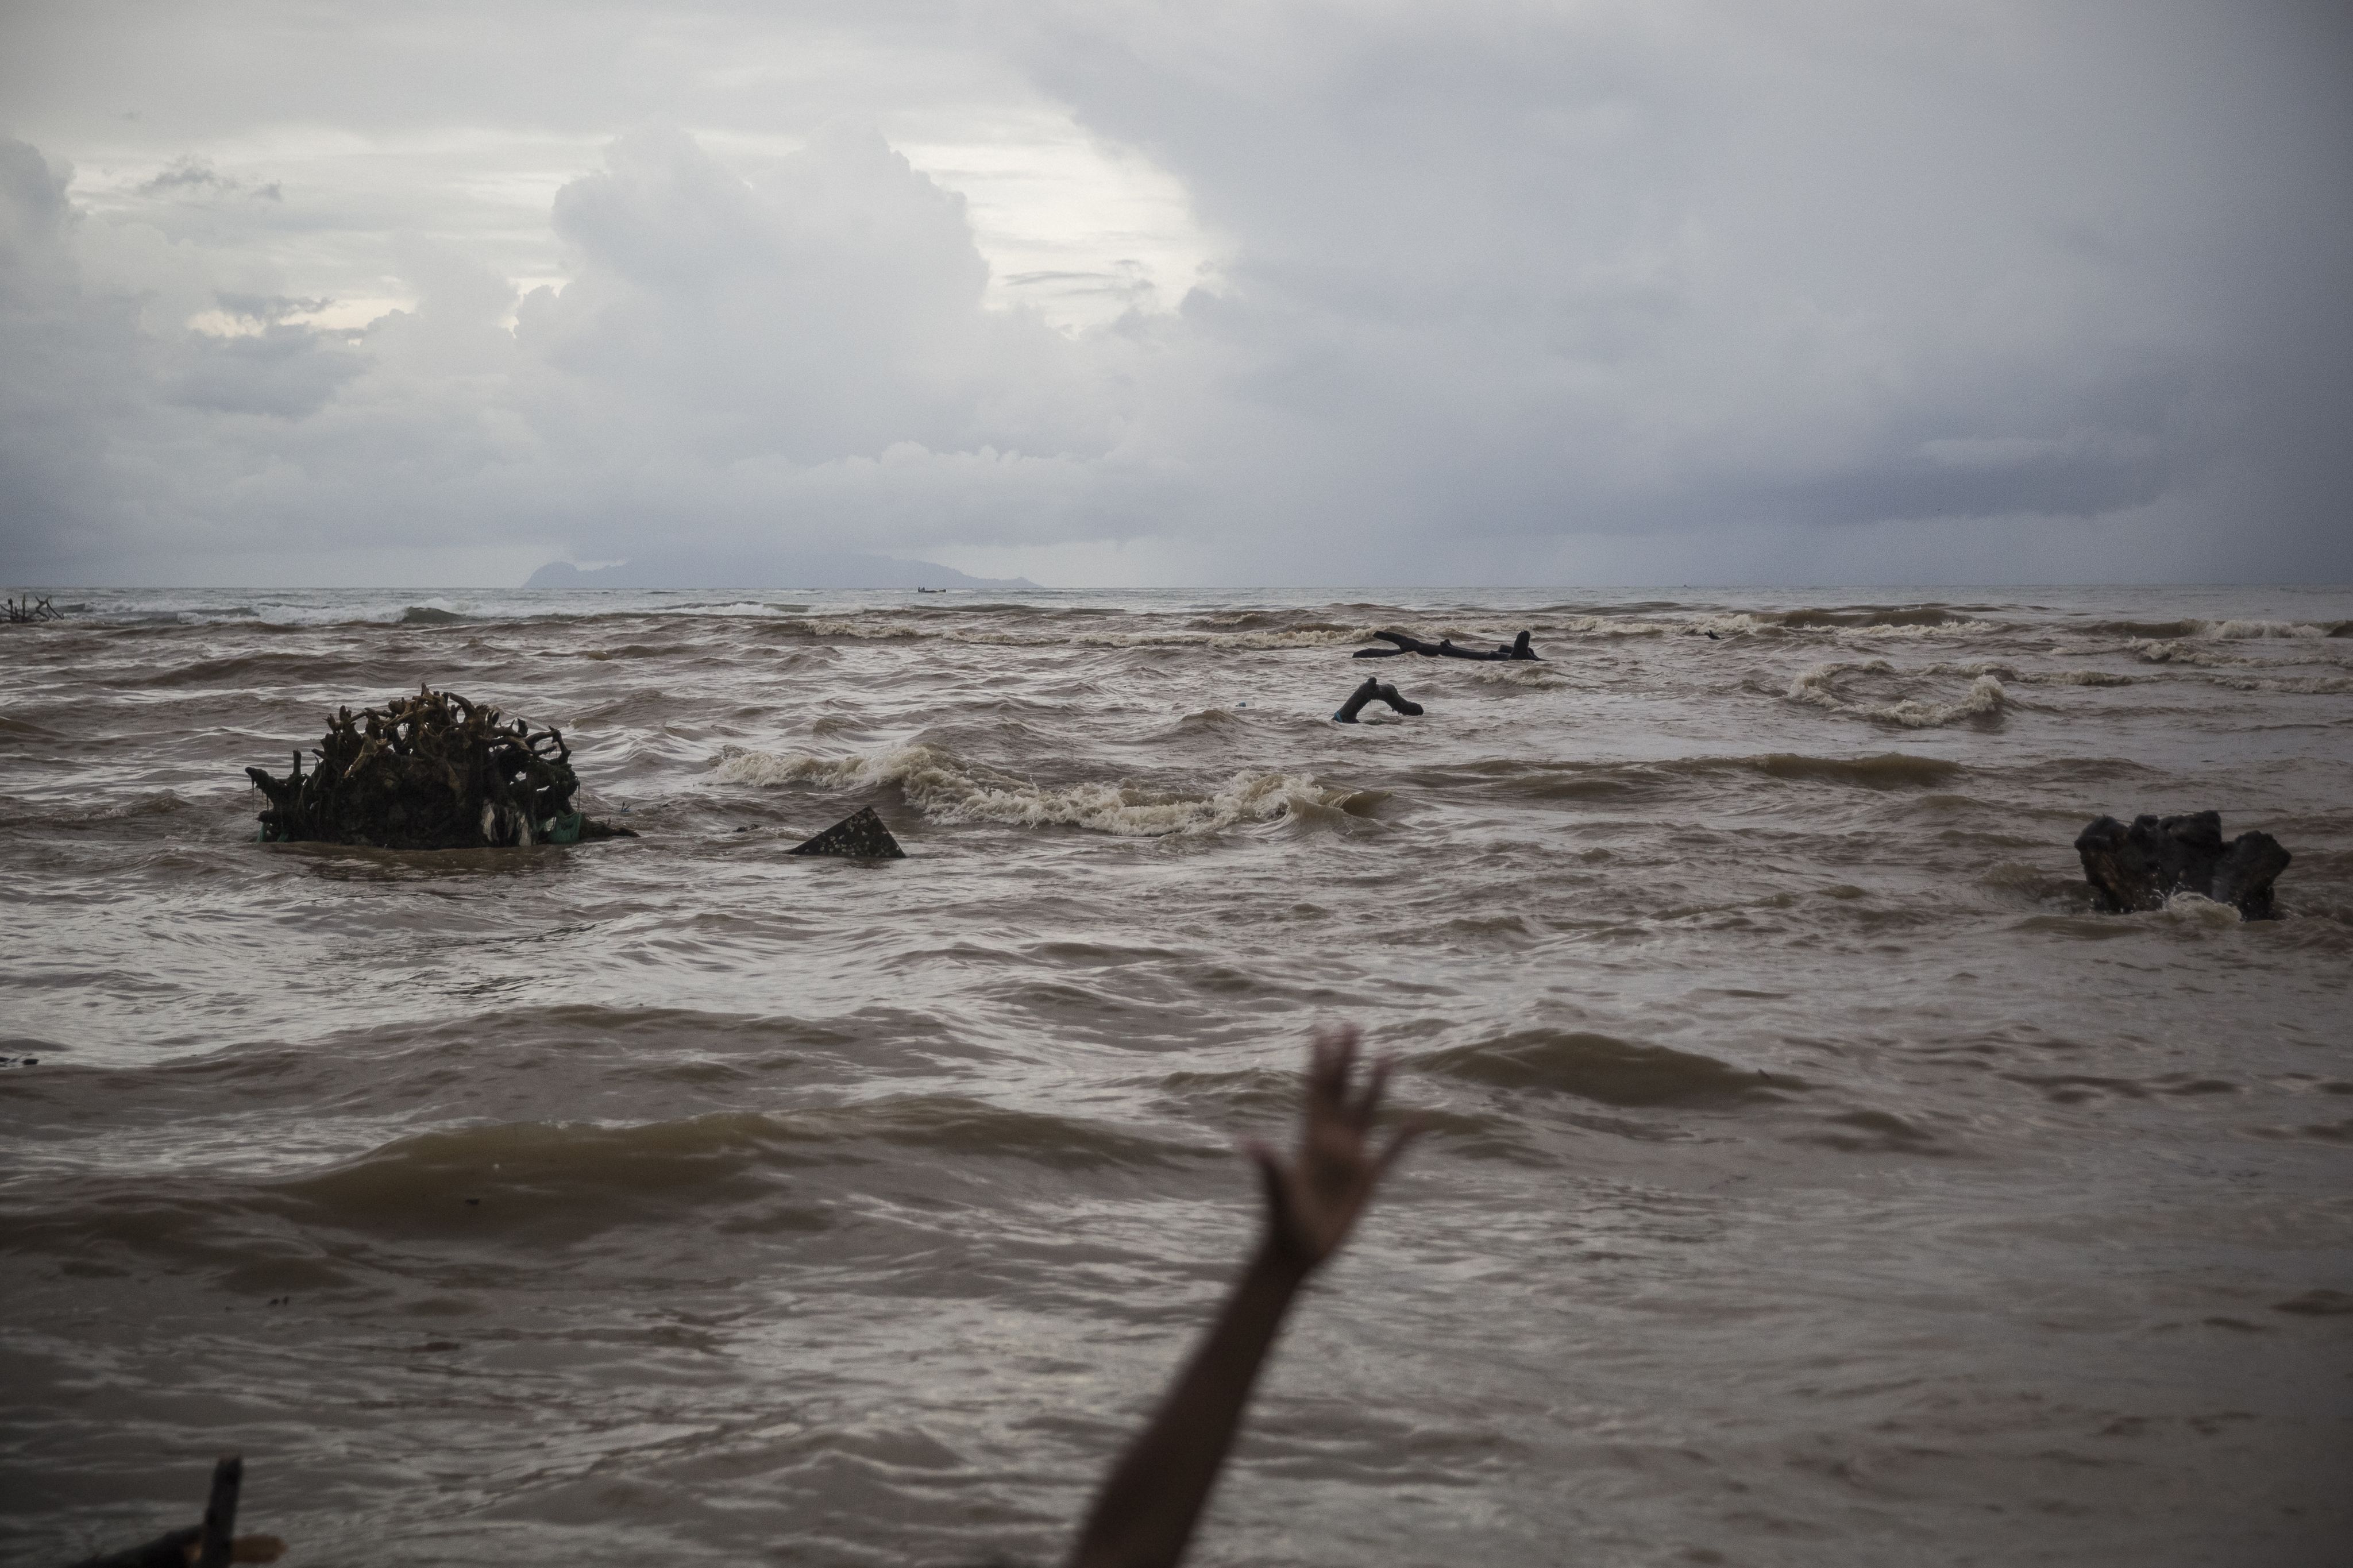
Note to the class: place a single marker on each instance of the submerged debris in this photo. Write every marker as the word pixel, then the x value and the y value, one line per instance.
pixel 1516 649
pixel 31 608
pixel 429 772
pixel 1374 687
pixel 2140 867
pixel 860 835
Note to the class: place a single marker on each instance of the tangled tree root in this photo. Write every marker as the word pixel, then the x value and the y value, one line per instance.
pixel 429 772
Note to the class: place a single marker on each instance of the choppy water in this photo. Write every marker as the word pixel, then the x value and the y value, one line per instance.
pixel 1817 1178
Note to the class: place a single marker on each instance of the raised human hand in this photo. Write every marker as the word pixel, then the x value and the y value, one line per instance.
pixel 1314 1198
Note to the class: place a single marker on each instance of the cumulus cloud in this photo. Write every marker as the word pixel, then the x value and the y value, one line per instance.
pixel 196 177
pixel 1506 294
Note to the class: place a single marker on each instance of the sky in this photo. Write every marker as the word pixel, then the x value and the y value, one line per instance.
pixel 1106 293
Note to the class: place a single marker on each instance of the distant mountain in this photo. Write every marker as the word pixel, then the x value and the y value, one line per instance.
pixel 747 573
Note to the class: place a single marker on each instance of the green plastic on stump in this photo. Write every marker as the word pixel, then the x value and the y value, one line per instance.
pixel 564 829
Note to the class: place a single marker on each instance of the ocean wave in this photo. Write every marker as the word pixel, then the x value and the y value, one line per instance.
pixel 948 788
pixel 1859 626
pixel 1208 721
pixel 1517 675
pixel 2303 685
pixel 2011 675
pixel 1886 769
pixel 586 1176
pixel 1572 780
pixel 2174 651
pixel 1605 1069
pixel 1873 616
pixel 1820 688
pixel 2222 630
pixel 356 610
pixel 247 669
pixel 895 628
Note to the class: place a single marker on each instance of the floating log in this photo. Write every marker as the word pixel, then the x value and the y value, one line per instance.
pixel 429 772
pixel 860 835
pixel 1517 649
pixel 215 1543
pixel 1374 689
pixel 2140 867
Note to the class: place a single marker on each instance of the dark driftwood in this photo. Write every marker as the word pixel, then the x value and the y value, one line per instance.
pixel 1374 689
pixel 29 608
pixel 1517 649
pixel 860 835
pixel 2140 867
pixel 429 772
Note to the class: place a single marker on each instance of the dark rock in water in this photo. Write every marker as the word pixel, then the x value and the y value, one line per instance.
pixel 429 772
pixel 858 836
pixel 2138 867
pixel 1374 688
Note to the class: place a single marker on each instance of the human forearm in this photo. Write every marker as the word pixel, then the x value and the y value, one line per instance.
pixel 1153 1496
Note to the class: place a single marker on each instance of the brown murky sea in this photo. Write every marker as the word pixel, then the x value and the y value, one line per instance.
pixel 1817 1178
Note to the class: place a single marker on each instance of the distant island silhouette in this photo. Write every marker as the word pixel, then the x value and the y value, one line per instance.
pixel 760 573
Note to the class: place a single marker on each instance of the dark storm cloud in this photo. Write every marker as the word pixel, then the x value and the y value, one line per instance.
pixel 1564 269
pixel 1508 293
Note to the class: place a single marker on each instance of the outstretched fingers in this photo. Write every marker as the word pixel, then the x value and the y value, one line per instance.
pixel 1269 1174
pixel 1329 1061
pixel 1412 1128
pixel 1367 1103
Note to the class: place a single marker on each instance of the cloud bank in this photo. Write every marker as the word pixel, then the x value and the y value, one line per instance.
pixel 1501 294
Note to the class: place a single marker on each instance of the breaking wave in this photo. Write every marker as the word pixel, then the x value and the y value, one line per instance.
pixel 948 788
pixel 895 628
pixel 2225 630
pixel 1820 687
pixel 2305 685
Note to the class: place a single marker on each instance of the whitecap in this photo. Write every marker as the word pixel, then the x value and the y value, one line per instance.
pixel 947 788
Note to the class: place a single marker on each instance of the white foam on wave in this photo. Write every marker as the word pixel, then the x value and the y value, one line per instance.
pixel 1744 622
pixel 879 628
pixel 2174 651
pixel 2242 631
pixel 1817 688
pixel 2013 675
pixel 2199 912
pixel 1875 633
pixel 948 788
pixel 1527 676
pixel 2300 684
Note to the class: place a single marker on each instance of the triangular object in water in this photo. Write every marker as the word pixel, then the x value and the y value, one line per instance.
pixel 858 836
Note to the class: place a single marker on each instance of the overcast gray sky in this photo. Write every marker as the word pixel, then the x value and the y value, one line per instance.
pixel 1106 293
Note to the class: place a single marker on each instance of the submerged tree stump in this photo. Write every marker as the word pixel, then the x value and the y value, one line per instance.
pixel 2140 867
pixel 429 772
pixel 1374 690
